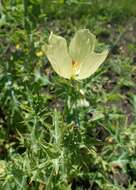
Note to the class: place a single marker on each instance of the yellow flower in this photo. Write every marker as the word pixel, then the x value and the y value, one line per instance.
pixel 79 61
pixel 17 46
pixel 39 53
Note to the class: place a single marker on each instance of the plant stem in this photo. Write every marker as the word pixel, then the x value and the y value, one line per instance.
pixel 26 24
pixel 71 107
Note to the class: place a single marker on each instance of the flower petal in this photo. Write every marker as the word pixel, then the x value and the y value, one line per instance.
pixel 58 56
pixel 91 64
pixel 81 45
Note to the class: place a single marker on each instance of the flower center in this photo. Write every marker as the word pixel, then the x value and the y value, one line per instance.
pixel 75 67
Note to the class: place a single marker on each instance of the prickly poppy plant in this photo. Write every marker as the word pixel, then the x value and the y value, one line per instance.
pixel 79 61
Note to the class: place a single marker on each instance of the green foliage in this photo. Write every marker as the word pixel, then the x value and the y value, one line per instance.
pixel 47 141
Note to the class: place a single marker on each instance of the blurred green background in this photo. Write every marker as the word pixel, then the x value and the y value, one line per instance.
pixel 39 148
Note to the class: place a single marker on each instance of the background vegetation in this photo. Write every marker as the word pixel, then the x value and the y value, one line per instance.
pixel 41 147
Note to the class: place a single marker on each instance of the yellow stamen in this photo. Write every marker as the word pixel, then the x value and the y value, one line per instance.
pixel 75 67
